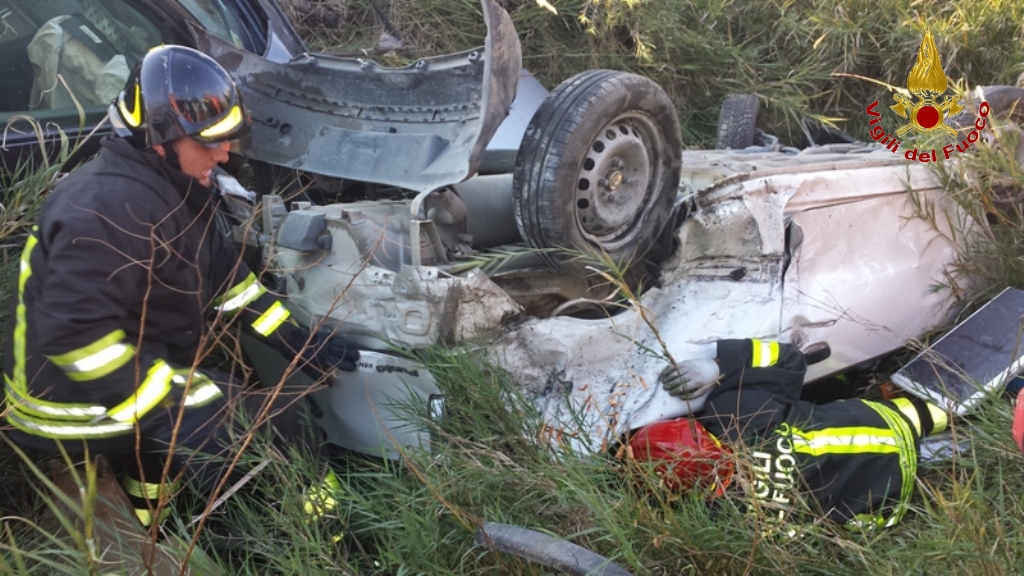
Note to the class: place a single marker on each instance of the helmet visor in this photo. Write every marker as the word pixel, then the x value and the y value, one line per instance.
pixel 207 105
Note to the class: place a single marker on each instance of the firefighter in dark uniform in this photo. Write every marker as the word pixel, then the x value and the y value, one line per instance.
pixel 118 280
pixel 855 460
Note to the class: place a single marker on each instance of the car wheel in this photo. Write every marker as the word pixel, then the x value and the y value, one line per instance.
pixel 598 168
pixel 737 122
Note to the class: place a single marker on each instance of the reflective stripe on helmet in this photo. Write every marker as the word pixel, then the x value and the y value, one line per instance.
pixel 97 359
pixel 239 296
pixel 151 392
pixel 181 93
pixel 227 125
pixel 134 117
pixel 271 319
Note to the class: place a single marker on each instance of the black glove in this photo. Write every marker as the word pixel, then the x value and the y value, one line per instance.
pixel 323 350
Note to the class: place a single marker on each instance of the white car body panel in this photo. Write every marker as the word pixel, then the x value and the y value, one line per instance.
pixel 861 278
pixel 862 281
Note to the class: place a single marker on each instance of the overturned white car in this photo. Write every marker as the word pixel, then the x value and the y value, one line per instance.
pixel 817 247
pixel 432 225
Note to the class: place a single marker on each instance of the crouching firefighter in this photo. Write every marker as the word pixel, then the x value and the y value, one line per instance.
pixel 853 460
pixel 118 280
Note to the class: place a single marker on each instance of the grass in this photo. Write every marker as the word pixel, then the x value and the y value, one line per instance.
pixel 489 465
pixel 490 460
pixel 419 516
pixel 983 201
pixel 22 190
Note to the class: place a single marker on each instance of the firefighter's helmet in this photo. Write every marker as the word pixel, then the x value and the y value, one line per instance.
pixel 176 92
pixel 685 455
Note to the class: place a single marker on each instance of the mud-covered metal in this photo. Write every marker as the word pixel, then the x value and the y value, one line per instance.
pixel 367 284
pixel 420 127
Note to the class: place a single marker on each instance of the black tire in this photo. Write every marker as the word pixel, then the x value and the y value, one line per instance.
pixel 598 168
pixel 737 122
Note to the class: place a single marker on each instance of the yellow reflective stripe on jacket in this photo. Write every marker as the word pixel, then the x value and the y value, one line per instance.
pixel 869 521
pixel 940 420
pixel 66 431
pixel 147 490
pixel 896 438
pixel 907 455
pixel 151 392
pixel 139 489
pixel 97 359
pixel 51 410
pixel 271 319
pixel 203 395
pixel 846 440
pixel 240 295
pixel 320 499
pixel 21 324
pixel 765 353
pixel 145 516
pixel 84 421
pixel 201 390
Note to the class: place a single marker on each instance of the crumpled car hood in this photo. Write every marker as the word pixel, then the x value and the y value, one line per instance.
pixel 420 127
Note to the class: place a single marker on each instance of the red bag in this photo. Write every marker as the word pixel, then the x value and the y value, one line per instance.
pixel 1018 421
pixel 690 456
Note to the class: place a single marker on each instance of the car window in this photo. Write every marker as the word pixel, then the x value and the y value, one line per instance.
pixel 223 19
pixel 56 53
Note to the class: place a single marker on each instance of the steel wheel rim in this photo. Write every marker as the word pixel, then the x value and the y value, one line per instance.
pixel 617 180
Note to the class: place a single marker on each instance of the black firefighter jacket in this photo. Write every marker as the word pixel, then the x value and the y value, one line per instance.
pixel 856 459
pixel 118 279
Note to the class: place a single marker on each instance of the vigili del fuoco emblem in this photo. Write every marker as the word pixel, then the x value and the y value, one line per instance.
pixel 928 82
